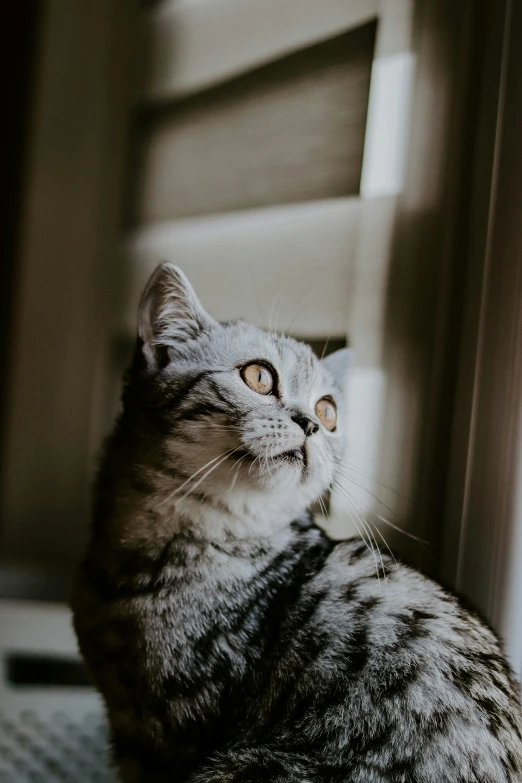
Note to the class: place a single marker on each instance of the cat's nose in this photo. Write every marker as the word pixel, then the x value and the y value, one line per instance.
pixel 307 424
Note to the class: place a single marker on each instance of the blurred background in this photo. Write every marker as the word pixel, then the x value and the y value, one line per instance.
pixel 344 170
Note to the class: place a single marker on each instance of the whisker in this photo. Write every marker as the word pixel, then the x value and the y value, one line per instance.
pixel 256 459
pixel 404 532
pixel 349 466
pixel 268 457
pixel 301 312
pixel 325 347
pixel 355 520
pixel 224 428
pixel 178 489
pixel 376 528
pixel 238 466
pixel 255 289
pixel 278 310
pixel 383 519
pixel 365 489
pixel 208 472
pixel 366 522
pixel 236 462
pixel 272 310
pixel 322 507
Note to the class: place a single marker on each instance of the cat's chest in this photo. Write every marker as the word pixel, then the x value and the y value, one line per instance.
pixel 213 622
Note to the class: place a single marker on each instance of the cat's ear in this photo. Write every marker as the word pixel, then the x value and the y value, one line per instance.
pixel 169 313
pixel 338 364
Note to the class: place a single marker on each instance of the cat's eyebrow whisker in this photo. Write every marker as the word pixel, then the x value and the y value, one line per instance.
pixel 292 322
pixel 272 310
pixel 278 310
pixel 255 289
pixel 325 346
pixel 299 300
pixel 303 310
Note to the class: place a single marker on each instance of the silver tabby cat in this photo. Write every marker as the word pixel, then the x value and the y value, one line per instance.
pixel 232 641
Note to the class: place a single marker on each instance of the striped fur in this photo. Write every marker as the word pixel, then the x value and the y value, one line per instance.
pixel 232 641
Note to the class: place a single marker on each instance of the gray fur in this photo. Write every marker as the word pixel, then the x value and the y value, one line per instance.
pixel 231 640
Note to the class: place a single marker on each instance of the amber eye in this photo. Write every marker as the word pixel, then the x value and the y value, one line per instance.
pixel 258 377
pixel 327 413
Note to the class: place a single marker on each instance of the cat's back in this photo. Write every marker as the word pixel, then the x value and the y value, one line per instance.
pixel 394 667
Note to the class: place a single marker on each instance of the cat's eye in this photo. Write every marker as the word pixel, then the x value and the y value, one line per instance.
pixel 259 377
pixel 327 413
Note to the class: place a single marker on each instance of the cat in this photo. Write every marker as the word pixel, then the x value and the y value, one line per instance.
pixel 231 639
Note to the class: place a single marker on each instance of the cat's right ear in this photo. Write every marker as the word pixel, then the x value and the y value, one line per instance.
pixel 338 363
pixel 169 313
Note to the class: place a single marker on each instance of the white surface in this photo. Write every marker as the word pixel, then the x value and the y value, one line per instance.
pixel 33 627
pixel 197 43
pixel 288 266
pixel 387 127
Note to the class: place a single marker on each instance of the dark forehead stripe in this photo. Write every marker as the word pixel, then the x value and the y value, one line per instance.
pixel 305 362
pixel 301 350
pixel 295 358
pixel 299 359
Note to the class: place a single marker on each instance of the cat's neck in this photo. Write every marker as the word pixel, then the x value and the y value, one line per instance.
pixel 144 515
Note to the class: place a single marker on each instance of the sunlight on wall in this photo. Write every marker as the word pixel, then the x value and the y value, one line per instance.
pixel 387 125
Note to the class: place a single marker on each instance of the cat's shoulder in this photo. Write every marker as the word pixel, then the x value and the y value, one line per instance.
pixel 394 592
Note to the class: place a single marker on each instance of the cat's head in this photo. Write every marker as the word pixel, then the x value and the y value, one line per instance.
pixel 240 415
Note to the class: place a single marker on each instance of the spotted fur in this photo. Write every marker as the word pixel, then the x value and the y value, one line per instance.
pixel 232 641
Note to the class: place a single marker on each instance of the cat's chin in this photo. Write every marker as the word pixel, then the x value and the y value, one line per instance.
pixel 276 468
pixel 297 457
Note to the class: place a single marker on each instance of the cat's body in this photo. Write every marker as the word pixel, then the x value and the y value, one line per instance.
pixel 230 638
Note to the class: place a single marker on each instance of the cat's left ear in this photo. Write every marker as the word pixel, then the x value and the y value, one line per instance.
pixel 169 313
pixel 338 364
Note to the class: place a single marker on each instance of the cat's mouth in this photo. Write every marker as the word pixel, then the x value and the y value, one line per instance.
pixel 296 457
pixel 292 456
